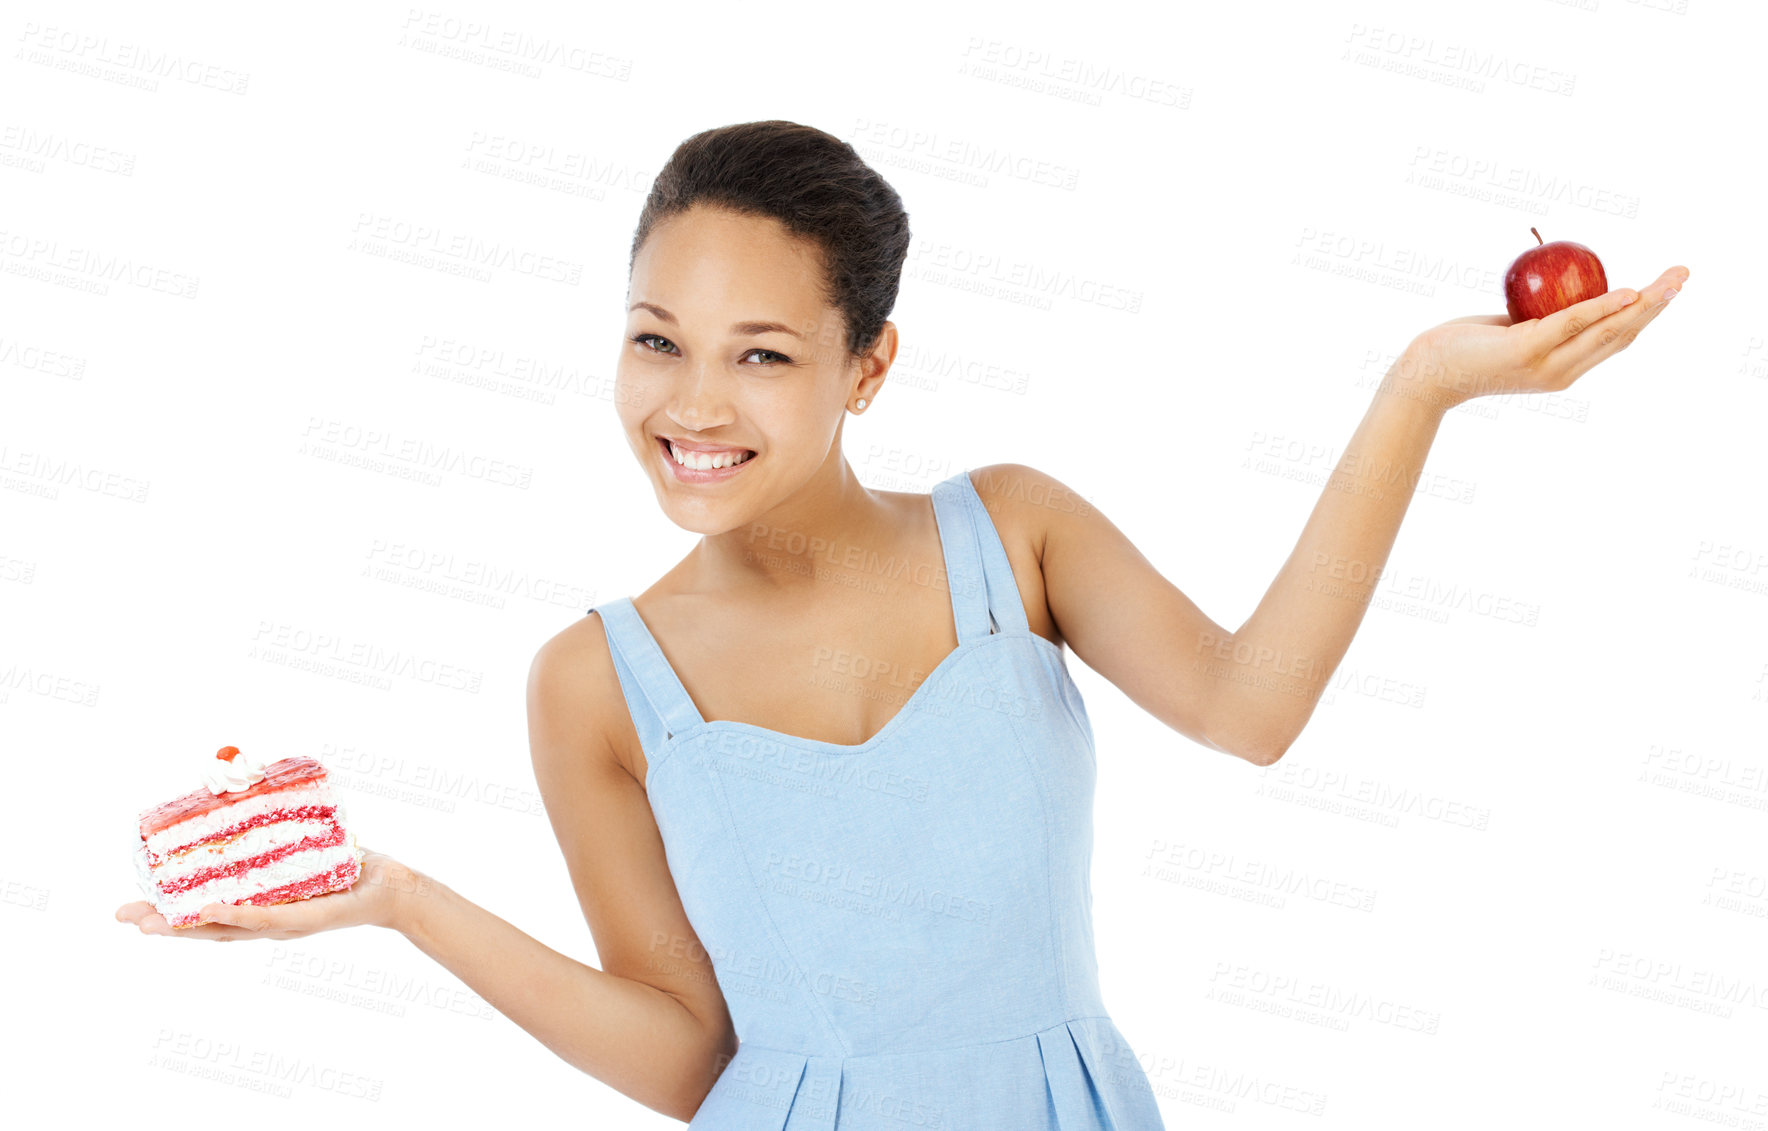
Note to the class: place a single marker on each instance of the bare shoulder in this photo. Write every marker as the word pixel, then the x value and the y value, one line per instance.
pixel 1025 499
pixel 1116 611
pixel 578 725
pixel 1025 505
pixel 572 681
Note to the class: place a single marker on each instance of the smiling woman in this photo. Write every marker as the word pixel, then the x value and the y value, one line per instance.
pixel 825 789
pixel 928 941
pixel 763 271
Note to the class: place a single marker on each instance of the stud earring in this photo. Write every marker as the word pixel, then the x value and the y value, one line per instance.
pixel 859 404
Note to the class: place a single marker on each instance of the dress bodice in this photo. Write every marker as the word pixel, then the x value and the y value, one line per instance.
pixel 902 929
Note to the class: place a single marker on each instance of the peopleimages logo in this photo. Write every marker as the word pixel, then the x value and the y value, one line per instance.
pixel 97 56
pixel 286 643
pixel 87 269
pixel 378 443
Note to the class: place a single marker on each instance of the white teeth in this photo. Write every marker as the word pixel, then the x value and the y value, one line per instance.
pixel 707 461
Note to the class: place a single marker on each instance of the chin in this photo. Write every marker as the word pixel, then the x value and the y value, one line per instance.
pixel 700 514
pixel 707 526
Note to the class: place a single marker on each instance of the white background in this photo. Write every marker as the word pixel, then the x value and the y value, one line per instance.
pixel 1540 773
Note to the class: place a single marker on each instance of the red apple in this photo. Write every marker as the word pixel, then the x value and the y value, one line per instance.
pixel 1551 277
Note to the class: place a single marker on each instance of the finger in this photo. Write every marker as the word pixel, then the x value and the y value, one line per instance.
pixel 1663 288
pixel 1599 343
pixel 1612 334
pixel 220 922
pixel 1563 325
pixel 144 917
pixel 212 932
pixel 209 927
pixel 244 919
pixel 156 924
pixel 1483 319
pixel 1666 287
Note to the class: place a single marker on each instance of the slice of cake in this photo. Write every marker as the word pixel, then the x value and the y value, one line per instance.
pixel 254 834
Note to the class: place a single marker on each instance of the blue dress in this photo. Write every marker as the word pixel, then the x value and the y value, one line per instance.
pixel 902 929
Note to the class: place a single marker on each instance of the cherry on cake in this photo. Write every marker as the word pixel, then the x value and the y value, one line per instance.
pixel 253 834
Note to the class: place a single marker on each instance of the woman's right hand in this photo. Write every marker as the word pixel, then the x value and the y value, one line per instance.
pixel 373 900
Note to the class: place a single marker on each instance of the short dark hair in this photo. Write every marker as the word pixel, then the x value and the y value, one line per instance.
pixel 813 183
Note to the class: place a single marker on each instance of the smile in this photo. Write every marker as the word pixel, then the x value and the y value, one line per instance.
pixel 704 466
pixel 707 460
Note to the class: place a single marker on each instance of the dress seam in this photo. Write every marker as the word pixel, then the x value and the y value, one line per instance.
pixel 667 747
pixel 926 1051
pixel 773 928
pixel 1043 803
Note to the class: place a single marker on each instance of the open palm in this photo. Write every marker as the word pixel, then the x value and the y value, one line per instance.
pixel 1484 354
pixel 367 901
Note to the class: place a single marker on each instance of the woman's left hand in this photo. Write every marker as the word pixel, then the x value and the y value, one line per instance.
pixel 1484 354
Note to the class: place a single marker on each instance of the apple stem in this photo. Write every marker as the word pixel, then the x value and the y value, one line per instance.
pixel 1536 234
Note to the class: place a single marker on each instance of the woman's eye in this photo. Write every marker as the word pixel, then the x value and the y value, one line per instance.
pixel 773 357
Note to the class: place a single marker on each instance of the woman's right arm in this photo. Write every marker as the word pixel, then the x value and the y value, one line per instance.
pixel 652 1022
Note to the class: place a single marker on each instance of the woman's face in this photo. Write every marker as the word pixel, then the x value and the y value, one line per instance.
pixel 729 346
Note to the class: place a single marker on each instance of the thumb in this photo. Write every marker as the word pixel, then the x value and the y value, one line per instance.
pixel 244 916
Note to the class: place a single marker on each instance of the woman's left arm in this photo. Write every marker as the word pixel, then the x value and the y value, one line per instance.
pixel 1250 692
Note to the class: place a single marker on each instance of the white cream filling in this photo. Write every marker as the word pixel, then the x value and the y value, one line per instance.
pixel 205 825
pixel 233 889
pixel 251 843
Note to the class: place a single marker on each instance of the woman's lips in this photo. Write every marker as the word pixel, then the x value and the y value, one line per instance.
pixel 695 475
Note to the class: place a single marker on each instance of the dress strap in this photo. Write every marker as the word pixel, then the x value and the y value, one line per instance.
pixel 985 596
pixel 659 704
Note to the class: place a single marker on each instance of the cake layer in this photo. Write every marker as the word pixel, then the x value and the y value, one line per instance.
pixel 307 799
pixel 227 836
pixel 254 848
pixel 299 874
pixel 339 878
pixel 288 773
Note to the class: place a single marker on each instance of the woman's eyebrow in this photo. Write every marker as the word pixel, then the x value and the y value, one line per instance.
pixel 743 328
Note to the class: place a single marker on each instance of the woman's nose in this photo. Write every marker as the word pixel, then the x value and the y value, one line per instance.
pixel 700 398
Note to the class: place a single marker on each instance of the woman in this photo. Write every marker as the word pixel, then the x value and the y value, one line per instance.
pixel 862 839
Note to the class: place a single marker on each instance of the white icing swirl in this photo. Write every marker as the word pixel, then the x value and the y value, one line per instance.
pixel 222 776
